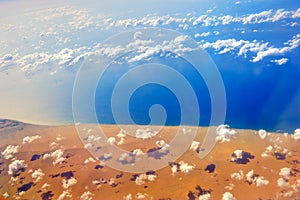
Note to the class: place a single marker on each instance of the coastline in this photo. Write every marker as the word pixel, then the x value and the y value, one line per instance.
pixel 58 150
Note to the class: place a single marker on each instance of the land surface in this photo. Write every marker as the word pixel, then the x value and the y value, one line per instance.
pixel 52 162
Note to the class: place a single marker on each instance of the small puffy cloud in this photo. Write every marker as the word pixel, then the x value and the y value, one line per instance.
pixel 66 183
pixel 65 194
pixel 281 182
pixel 185 167
pixel 137 152
pixel 57 155
pixel 228 196
pixel 15 166
pixel 224 133
pixel 145 133
pixel 285 172
pixel 162 145
pixel 38 175
pixel 262 134
pixel 46 185
pixel 10 150
pixel 281 61
pixel 237 175
pixel 93 138
pixel 5 195
pixel 121 134
pixel 128 197
pixel 29 139
pixel 296 135
pixel 141 196
pixel 86 196
pixel 261 181
pixel 111 140
pixel 88 160
pixel 253 178
pixel 195 145
pixel 205 196
pixel 142 178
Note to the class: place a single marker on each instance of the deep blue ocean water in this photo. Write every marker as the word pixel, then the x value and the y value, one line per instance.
pixel 259 95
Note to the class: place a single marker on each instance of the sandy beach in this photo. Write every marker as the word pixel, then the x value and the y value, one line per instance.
pixel 52 162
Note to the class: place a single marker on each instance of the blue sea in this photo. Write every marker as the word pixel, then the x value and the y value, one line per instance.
pixel 258 96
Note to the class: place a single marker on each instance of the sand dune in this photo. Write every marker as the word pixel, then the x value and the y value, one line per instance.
pixel 50 162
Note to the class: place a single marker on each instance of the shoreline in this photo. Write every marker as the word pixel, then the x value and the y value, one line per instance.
pixel 281 132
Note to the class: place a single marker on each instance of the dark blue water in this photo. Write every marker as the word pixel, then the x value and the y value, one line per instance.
pixel 259 96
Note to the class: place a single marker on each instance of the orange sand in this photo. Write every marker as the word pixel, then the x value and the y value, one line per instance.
pixel 165 186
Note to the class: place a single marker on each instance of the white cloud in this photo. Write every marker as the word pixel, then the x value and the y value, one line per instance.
pixel 66 183
pixel 111 140
pixel 46 185
pixel 205 197
pixel 90 159
pixel 261 181
pixel 57 156
pixel 127 197
pixel 285 172
pixel 86 196
pixel 262 134
pixel 296 135
pixel 224 133
pixel 195 145
pixel 281 182
pixel 145 133
pixel 141 195
pixel 10 150
pixel 137 152
pixel 15 166
pixel 237 175
pixel 281 61
pixel 228 196
pixel 64 194
pixel 29 139
pixel 38 175
pixel 162 145
pixel 185 167
pixel 142 178
pixel 238 155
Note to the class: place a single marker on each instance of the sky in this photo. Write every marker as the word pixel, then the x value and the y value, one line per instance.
pixel 45 43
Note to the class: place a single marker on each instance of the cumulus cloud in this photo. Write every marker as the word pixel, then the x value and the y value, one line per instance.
pixel 10 150
pixel 224 133
pixel 206 196
pixel 57 156
pixel 285 172
pixel 142 178
pixel 127 197
pixel 253 178
pixel 29 139
pixel 296 135
pixel 262 134
pixel 281 182
pixel 90 159
pixel 261 181
pixel 15 166
pixel 237 175
pixel 111 140
pixel 228 196
pixel 64 194
pixel 185 167
pixel 145 133
pixel 281 61
pixel 37 175
pixel 66 183
pixel 137 152
pixel 86 196
pixel 195 145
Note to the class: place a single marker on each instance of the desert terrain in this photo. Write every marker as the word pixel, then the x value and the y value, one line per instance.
pixel 53 162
